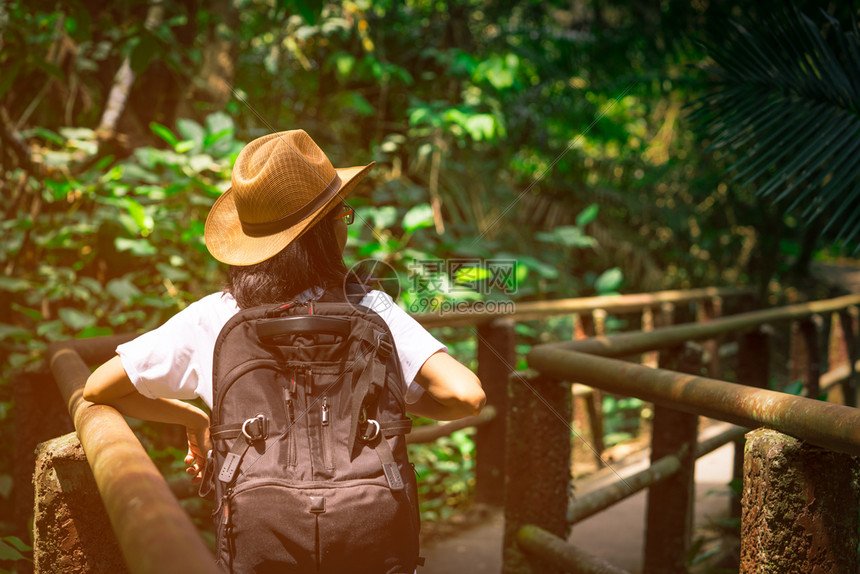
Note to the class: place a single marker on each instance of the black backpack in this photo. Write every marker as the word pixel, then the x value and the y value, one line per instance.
pixel 308 425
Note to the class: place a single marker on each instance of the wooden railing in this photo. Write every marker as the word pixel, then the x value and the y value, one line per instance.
pixel 496 344
pixel 145 515
pixel 538 516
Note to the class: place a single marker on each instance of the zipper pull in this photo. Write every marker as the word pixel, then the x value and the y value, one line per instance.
pixel 288 398
pixel 226 501
pixel 325 413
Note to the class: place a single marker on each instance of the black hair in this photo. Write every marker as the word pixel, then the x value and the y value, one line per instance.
pixel 312 260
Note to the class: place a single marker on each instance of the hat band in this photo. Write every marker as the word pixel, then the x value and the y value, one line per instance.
pixel 266 228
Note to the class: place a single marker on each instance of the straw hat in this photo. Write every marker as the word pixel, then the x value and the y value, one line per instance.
pixel 282 185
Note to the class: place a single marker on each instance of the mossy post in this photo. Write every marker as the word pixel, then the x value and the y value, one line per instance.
pixel 669 514
pixel 753 370
pixel 71 529
pixel 39 414
pixel 496 360
pixel 538 465
pixel 800 507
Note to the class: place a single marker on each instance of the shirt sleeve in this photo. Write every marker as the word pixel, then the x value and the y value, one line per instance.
pixel 414 343
pixel 175 360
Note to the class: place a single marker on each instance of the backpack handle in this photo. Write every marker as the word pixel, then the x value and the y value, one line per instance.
pixel 270 329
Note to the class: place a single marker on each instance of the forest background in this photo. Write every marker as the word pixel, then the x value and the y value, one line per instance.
pixel 555 135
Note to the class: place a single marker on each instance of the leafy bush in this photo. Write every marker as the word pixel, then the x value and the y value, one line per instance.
pixel 446 478
pixel 111 246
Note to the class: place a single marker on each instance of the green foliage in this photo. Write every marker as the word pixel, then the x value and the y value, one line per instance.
pixel 445 474
pixel 548 134
pixel 97 251
pixel 14 550
pixel 789 117
pixel 622 418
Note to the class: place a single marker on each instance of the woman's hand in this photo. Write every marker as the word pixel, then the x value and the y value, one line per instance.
pixel 199 445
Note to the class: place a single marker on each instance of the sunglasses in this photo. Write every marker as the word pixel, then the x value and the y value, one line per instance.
pixel 346 213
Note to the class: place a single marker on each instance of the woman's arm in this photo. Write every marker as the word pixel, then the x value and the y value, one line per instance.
pixel 452 391
pixel 110 385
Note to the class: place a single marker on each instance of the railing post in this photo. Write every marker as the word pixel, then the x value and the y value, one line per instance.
pixel 669 515
pixel 71 530
pixel 850 386
pixel 797 360
pixel 39 415
pixel 595 401
pixel 496 360
pixel 580 326
pixel 649 359
pixel 799 507
pixel 710 309
pixel 667 315
pixel 753 370
pixel 538 465
pixel 585 326
pixel 811 330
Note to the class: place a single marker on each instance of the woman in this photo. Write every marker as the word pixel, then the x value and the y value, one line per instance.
pixel 282 228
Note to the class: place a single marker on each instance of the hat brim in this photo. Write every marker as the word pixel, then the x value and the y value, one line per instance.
pixel 229 244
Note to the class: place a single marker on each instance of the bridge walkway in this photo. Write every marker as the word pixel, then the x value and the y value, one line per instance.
pixel 616 534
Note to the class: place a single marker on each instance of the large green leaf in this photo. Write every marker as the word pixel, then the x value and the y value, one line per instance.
pixel 418 217
pixel 786 104
pixel 8 550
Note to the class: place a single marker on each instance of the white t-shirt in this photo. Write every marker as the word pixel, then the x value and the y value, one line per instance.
pixel 175 360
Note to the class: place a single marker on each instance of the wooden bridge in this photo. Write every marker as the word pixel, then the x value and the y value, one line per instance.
pixel 524 439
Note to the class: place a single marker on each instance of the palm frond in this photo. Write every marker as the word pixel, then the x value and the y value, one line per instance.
pixel 786 104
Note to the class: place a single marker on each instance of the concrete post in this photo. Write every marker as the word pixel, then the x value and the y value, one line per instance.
pixel 669 514
pixel 496 360
pixel 799 507
pixel 39 415
pixel 538 465
pixel 71 529
pixel 753 370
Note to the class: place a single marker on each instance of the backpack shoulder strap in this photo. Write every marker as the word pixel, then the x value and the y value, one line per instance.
pixel 351 292
pixel 355 292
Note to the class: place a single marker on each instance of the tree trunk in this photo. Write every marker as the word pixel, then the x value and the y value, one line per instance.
pixel 218 66
pixel 123 80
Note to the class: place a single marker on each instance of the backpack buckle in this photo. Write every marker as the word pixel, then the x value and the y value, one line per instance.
pixel 256 428
pixel 384 348
pixel 278 311
pixel 371 432
pixel 371 426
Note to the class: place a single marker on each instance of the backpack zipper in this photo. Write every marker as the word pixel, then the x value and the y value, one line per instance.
pixel 325 432
pixel 291 415
pixel 226 522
